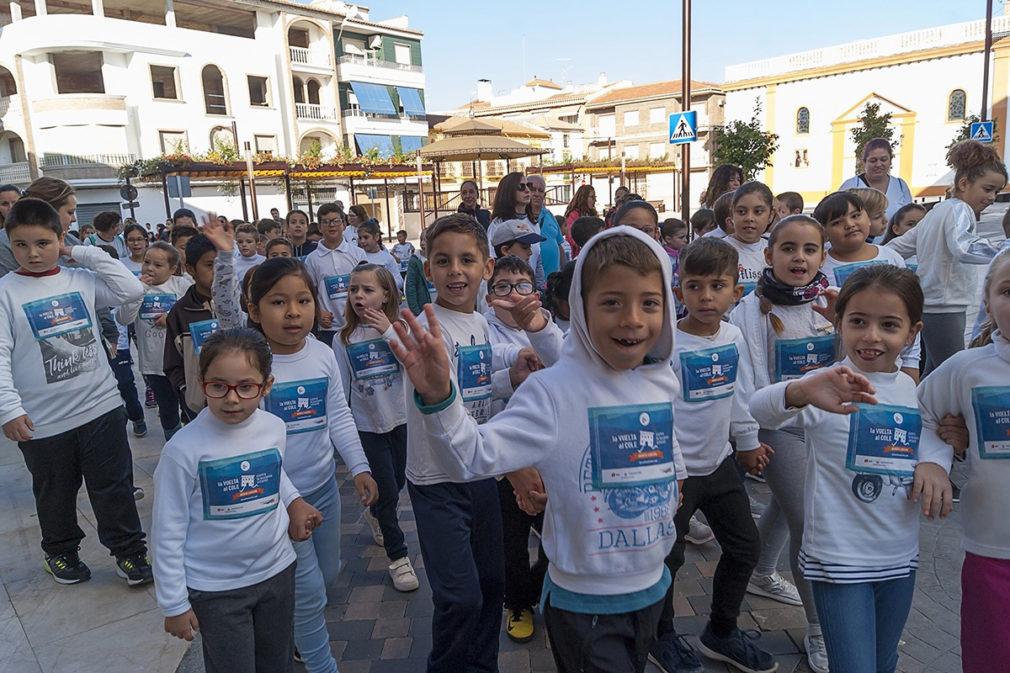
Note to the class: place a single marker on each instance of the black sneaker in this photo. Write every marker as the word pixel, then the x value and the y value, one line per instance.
pixel 671 653
pixel 135 569
pixel 738 650
pixel 67 568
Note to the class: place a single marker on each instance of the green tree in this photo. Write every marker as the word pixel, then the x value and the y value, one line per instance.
pixel 964 132
pixel 872 125
pixel 745 144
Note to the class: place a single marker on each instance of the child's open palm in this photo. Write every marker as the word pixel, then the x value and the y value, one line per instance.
pixel 221 234
pixel 422 354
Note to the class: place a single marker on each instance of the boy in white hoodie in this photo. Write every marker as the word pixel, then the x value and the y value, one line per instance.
pixel 610 466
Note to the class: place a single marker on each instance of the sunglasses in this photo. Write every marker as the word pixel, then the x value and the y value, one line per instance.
pixel 521 186
pixel 534 188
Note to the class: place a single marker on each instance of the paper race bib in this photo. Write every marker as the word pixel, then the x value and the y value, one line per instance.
pixel 336 286
pixel 57 315
pixel 156 304
pixel 372 359
pixel 403 265
pixel 845 270
pixel 884 439
pixel 709 374
pixel 473 374
pixel 246 485
pixel 199 331
pixel 632 445
pixel 300 404
pixel 991 405
pixel 796 357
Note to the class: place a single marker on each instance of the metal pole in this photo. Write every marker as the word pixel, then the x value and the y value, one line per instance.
pixel 252 181
pixel 164 190
pixel 308 196
pixel 389 215
pixel 241 191
pixel 133 214
pixel 984 115
pixel 685 105
pixel 287 189
pixel 420 192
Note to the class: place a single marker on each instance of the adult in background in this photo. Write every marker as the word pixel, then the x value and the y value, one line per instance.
pixel 583 204
pixel 877 156
pixel 725 178
pixel 552 254
pixel 58 194
pixel 355 215
pixel 470 206
pixel 510 203
pixel 619 194
pixel 8 195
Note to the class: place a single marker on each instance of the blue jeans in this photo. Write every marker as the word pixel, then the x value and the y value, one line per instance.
pixel 459 529
pixel 862 622
pixel 169 404
pixel 317 570
pixel 122 367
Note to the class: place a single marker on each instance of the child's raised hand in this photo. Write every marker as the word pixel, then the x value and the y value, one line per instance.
pixel 954 431
pixel 376 319
pixel 830 295
pixel 367 489
pixel 422 354
pixel 834 389
pixel 932 484
pixel 302 519
pixel 182 626
pixel 526 312
pixel 221 234
pixel 20 429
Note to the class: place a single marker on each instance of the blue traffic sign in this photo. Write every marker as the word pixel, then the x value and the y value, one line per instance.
pixel 981 131
pixel 683 127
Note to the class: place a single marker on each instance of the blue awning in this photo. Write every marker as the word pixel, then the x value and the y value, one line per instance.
pixel 411 143
pixel 373 98
pixel 367 141
pixel 411 100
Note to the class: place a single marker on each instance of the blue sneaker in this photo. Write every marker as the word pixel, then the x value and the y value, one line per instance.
pixel 671 653
pixel 140 428
pixel 738 650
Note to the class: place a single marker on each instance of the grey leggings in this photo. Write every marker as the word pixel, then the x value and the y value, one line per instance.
pixel 786 476
pixel 942 336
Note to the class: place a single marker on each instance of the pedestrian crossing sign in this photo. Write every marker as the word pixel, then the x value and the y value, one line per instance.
pixel 981 131
pixel 683 127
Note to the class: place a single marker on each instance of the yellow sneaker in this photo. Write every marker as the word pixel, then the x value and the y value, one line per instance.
pixel 519 625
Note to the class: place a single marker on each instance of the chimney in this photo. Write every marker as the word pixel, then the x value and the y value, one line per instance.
pixel 484 90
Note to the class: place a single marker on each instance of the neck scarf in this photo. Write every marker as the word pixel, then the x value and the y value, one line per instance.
pixel 780 294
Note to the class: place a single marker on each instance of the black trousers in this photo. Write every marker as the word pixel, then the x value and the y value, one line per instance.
pixel 522 583
pixel 97 454
pixel 721 496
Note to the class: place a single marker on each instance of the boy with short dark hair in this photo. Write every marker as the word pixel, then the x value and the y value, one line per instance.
pixel 723 210
pixel 330 266
pixel 58 397
pixel 584 228
pixel 402 250
pixel 709 410
pixel 270 228
pixel 279 247
pixel 108 227
pixel 179 238
pixel 788 203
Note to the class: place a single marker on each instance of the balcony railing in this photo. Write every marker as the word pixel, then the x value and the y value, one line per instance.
pixel 356 112
pixel 312 111
pixel 354 59
pixel 83 160
pixel 9 105
pixel 303 56
pixel 15 173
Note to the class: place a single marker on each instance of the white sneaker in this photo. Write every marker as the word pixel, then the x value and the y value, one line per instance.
pixel 775 587
pixel 817 653
pixel 404 577
pixel 373 523
pixel 698 533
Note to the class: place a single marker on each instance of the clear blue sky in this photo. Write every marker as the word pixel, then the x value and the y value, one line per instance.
pixel 637 40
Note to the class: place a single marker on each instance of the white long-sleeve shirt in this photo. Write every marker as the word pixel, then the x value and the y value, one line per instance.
pixel 944 242
pixel 331 271
pixel 850 520
pixel 52 362
pixel 308 397
pixel 711 406
pixel 220 516
pixel 243 264
pixel 546 343
pixel 383 258
pixel 372 379
pixel 157 300
pixel 974 383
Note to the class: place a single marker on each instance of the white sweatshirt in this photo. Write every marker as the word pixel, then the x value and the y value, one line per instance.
pixel 331 271
pixel 157 300
pixel 944 242
pixel 478 370
pixel 974 383
pixel 711 406
pixel 609 523
pixel 383 258
pixel 243 264
pixel 52 362
pixel 308 397
pixel 855 516
pixel 372 379
pixel 752 261
pixel 547 343
pixel 220 517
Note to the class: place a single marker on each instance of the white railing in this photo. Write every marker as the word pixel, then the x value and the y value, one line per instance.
pixel 943 36
pixel 9 105
pixel 303 56
pixel 354 59
pixel 312 111
pixel 50 160
pixel 15 173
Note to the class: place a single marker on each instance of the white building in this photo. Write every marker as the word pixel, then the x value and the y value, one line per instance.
pixel 89 85
pixel 929 80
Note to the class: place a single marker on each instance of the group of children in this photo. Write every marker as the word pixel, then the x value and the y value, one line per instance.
pixel 662 371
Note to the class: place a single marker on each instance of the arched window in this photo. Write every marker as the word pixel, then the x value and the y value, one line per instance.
pixel 803 120
pixel 313 91
pixel 956 105
pixel 219 135
pixel 299 90
pixel 213 91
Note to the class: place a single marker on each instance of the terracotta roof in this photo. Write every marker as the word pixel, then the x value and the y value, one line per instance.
pixel 556 99
pixel 668 87
pixel 546 83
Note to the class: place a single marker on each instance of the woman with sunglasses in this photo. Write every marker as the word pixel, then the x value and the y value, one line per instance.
pixel 510 203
